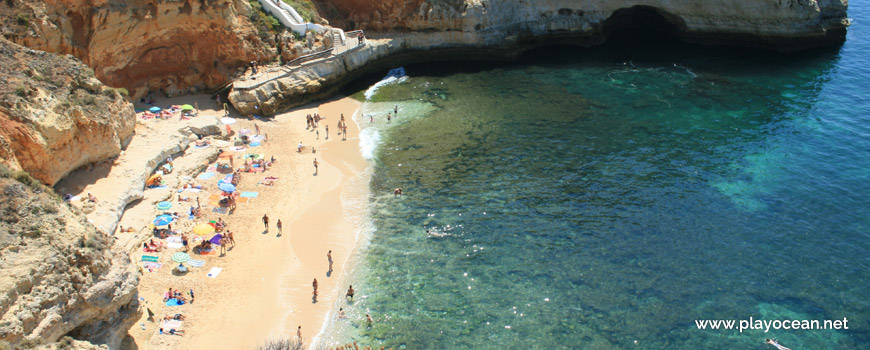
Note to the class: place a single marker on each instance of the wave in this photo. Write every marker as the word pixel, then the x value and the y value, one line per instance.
pixel 395 75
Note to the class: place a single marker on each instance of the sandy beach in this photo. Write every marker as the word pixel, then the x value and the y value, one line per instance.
pixel 264 290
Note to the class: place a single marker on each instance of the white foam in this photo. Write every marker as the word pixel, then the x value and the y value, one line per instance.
pixel 369 139
pixel 396 75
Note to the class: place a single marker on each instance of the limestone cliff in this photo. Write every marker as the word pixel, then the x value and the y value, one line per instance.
pixel 141 45
pixel 59 275
pixel 784 25
pixel 411 30
pixel 55 116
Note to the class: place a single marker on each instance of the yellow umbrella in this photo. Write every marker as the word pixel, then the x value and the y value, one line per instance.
pixel 203 229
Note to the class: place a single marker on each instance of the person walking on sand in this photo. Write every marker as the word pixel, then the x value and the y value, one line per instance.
pixel 257 127
pixel 317 132
pixel 327 132
pixel 349 293
pixel 299 333
pixel 230 238
pixel 329 257
pixel 184 242
pixel 314 285
pixel 279 225
pixel 223 246
pixel 266 222
pixel 315 166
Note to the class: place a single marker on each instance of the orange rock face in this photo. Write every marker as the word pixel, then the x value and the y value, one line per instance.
pixel 143 45
pixel 55 116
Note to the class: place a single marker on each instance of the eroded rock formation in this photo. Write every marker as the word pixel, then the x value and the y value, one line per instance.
pixel 411 30
pixel 55 116
pixel 141 45
pixel 60 275
pixel 779 24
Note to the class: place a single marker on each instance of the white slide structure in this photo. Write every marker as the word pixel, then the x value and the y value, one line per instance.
pixel 289 17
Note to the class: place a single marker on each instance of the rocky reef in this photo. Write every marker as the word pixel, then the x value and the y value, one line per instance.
pixel 61 277
pixel 55 116
pixel 173 46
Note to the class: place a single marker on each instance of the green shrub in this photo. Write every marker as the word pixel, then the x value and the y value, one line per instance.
pixel 23 18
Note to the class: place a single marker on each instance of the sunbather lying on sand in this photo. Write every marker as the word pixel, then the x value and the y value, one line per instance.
pixel 173 331
pixel 178 317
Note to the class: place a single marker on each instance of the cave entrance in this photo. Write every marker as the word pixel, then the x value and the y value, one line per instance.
pixel 642 24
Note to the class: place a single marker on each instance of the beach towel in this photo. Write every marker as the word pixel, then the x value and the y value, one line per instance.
pixel 191 189
pixel 174 302
pixel 241 200
pixel 214 272
pixel 237 149
pixel 175 245
pixel 170 324
pixel 214 197
pixel 206 175
pixel 205 252
pixel 173 239
pixel 159 187
pixel 196 263
pixel 249 194
pixel 152 265
pixel 220 210
pixel 150 258
pixel 254 144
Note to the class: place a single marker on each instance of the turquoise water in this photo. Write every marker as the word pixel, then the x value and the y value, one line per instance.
pixel 607 198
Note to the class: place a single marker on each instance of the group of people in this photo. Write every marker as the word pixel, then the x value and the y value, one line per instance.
pixel 178 295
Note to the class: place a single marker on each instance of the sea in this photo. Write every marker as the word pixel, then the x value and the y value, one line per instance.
pixel 617 197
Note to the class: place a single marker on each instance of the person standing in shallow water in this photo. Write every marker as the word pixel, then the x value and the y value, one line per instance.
pixel 350 293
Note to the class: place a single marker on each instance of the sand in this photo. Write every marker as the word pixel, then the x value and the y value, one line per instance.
pixel 264 290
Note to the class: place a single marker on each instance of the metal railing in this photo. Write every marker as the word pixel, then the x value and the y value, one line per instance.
pixel 290 66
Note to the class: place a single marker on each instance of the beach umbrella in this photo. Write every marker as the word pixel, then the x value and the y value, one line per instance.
pixel 216 239
pixel 164 205
pixel 155 109
pixel 203 229
pixel 228 121
pixel 163 220
pixel 180 257
pixel 186 107
pixel 227 187
pixel 244 131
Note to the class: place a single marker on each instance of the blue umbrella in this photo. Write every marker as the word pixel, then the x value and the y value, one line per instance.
pixel 227 187
pixel 164 205
pixel 163 220
pixel 154 109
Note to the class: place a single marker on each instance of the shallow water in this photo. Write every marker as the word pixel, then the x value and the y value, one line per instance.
pixel 594 198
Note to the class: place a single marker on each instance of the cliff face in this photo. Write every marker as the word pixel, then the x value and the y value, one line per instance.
pixel 141 45
pixel 779 24
pixel 55 116
pixel 60 276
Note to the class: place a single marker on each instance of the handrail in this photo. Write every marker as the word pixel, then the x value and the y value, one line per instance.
pixel 299 60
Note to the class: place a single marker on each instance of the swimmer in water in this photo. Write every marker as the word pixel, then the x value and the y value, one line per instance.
pixel 775 343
